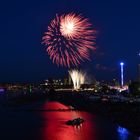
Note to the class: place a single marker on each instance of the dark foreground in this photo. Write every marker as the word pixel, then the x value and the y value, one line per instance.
pixel 27 118
pixel 45 121
pixel 122 113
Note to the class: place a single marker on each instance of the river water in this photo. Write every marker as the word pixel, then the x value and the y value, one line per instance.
pixel 45 121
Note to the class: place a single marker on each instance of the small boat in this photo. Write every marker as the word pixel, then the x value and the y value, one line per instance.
pixel 76 121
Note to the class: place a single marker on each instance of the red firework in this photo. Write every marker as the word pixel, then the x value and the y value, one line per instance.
pixel 69 39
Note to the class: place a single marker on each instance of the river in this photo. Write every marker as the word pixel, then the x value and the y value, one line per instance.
pixel 45 121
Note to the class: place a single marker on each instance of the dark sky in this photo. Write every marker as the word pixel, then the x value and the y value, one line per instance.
pixel 23 23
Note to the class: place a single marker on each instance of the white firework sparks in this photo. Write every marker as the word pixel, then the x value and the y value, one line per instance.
pixel 78 78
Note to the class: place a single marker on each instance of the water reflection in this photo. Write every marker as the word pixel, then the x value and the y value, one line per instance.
pixel 35 122
pixel 123 133
pixel 55 128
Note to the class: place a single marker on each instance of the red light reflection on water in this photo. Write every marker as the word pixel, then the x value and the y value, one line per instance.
pixel 54 127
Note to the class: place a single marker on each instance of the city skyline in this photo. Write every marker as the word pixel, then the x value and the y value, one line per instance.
pixel 23 58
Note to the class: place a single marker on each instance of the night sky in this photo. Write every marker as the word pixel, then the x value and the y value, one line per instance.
pixel 23 23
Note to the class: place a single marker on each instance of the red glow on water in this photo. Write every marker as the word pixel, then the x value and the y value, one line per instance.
pixel 55 128
pixel 54 106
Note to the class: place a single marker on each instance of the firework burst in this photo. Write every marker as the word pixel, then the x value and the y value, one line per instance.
pixel 69 39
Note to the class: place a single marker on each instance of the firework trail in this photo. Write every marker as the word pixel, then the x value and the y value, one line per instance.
pixel 69 39
pixel 78 78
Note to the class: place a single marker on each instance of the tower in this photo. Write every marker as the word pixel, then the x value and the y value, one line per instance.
pixel 122 76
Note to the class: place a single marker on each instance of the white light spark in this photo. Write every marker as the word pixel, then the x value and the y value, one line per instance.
pixel 78 78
